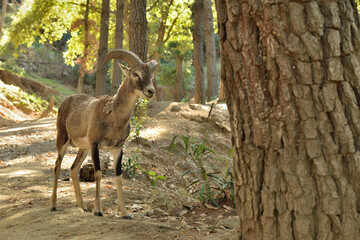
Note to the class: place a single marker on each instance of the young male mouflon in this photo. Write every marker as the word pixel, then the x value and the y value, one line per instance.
pixel 94 123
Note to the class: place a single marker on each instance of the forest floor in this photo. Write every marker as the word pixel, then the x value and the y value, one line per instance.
pixel 168 211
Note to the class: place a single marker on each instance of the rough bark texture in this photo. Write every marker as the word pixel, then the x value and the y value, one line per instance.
pixel 2 16
pixel 198 12
pixel 178 94
pixel 211 71
pixel 138 29
pixel 291 72
pixel 103 45
pixel 221 97
pixel 83 61
pixel 119 36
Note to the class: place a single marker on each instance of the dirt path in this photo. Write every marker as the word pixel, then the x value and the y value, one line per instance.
pixel 27 155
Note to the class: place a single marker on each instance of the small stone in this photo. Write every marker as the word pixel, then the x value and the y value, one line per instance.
pixel 175 108
pixel 87 173
pixel 229 223
pixel 143 141
pixel 182 213
pixel 192 106
pixel 158 212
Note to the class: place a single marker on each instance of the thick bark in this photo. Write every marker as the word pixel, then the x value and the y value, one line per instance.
pixel 198 12
pixel 103 45
pixel 138 29
pixel 211 71
pixel 119 36
pixel 83 61
pixel 291 75
pixel 2 17
pixel 178 94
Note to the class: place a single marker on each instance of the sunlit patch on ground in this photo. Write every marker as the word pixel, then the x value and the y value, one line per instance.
pixel 154 132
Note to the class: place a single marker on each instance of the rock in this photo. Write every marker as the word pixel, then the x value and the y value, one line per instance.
pixel 192 106
pixel 230 223
pixel 143 141
pixel 178 149
pixel 87 173
pixel 175 108
pixel 223 127
pixel 148 154
pixel 182 213
pixel 158 212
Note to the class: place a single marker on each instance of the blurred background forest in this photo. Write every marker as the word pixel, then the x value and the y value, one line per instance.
pixel 57 42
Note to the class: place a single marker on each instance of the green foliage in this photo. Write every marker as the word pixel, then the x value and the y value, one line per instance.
pixel 152 175
pixel 225 180
pixel 212 187
pixel 131 166
pixel 25 102
pixel 140 114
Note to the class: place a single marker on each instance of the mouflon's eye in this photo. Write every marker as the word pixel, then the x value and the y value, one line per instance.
pixel 135 74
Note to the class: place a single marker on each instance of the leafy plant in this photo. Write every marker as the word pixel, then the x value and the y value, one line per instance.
pixel 198 153
pixel 140 114
pixel 212 187
pixel 131 165
pixel 225 181
pixel 154 178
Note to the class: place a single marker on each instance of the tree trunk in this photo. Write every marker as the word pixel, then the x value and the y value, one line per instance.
pixel 221 97
pixel 103 45
pixel 83 61
pixel 119 36
pixel 178 95
pixel 211 71
pixel 198 12
pixel 2 17
pixel 160 39
pixel 138 28
pixel 291 75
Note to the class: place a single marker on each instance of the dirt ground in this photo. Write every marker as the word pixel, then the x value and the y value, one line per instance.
pixel 27 157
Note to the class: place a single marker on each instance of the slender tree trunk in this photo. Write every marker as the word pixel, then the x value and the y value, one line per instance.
pixel 119 33
pixel 160 39
pixel 83 67
pixel 100 88
pixel 291 70
pixel 198 12
pixel 211 71
pixel 138 28
pixel 179 79
pixel 2 17
pixel 221 97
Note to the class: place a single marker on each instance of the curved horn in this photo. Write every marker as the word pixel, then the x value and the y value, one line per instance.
pixel 131 58
pixel 153 64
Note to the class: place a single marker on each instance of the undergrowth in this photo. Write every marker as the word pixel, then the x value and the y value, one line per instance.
pixel 212 187
pixel 27 103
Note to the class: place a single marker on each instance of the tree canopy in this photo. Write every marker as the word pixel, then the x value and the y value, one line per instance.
pixel 48 21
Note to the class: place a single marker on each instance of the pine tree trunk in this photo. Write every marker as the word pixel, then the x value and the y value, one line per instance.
pixel 138 28
pixel 292 81
pixel 179 79
pixel 119 36
pixel 2 17
pixel 221 97
pixel 83 61
pixel 211 71
pixel 198 12
pixel 100 87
